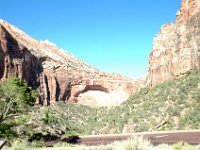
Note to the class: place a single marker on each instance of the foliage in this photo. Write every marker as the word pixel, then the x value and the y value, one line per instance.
pixel 63 144
pixel 184 146
pixel 24 145
pixel 134 143
pixel 16 98
pixel 172 105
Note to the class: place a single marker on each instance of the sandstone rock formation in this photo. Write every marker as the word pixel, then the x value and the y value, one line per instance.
pixel 176 49
pixel 53 72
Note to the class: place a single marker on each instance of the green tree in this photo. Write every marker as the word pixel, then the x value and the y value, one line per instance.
pixel 15 98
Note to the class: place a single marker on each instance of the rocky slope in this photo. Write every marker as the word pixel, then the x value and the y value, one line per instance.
pixel 54 72
pixel 176 49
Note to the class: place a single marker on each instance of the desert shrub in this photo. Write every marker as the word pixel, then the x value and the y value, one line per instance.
pixel 24 145
pixel 173 102
pixel 164 101
pixel 63 144
pixel 192 118
pixel 184 146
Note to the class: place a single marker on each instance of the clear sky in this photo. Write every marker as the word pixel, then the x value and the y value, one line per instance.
pixel 112 35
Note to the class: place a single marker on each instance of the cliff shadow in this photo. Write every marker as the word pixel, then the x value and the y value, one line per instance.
pixel 2 55
pixel 16 60
pixel 67 92
pixel 57 90
pixel 92 88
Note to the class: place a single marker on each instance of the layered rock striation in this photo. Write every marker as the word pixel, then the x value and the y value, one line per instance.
pixel 53 72
pixel 176 49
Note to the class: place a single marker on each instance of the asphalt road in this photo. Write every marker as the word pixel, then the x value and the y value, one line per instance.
pixel 190 137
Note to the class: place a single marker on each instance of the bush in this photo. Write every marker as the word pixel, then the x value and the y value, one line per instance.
pixel 16 98
pixel 175 103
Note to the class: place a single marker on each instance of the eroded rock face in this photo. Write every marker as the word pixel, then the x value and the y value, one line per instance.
pixel 53 72
pixel 176 49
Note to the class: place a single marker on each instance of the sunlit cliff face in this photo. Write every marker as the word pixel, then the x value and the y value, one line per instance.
pixel 56 74
pixel 176 47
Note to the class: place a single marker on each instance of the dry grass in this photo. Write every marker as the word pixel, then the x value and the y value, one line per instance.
pixel 135 143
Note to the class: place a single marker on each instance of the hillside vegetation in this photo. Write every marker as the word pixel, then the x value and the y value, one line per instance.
pixel 173 105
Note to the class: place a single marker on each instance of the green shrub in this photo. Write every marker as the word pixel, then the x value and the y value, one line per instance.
pixel 16 99
pixel 175 102
pixel 184 146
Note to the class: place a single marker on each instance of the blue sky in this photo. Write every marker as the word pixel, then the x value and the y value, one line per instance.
pixel 112 35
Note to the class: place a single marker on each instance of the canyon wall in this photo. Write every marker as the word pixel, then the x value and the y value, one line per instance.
pixel 54 73
pixel 57 75
pixel 176 49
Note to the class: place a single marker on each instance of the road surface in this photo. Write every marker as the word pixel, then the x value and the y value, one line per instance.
pixel 190 137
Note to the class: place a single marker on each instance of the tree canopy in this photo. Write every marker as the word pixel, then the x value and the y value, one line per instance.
pixel 16 97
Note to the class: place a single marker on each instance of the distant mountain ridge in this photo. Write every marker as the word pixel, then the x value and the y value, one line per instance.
pixel 55 73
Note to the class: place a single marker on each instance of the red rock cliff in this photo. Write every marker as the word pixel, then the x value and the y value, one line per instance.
pixel 176 49
pixel 53 72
